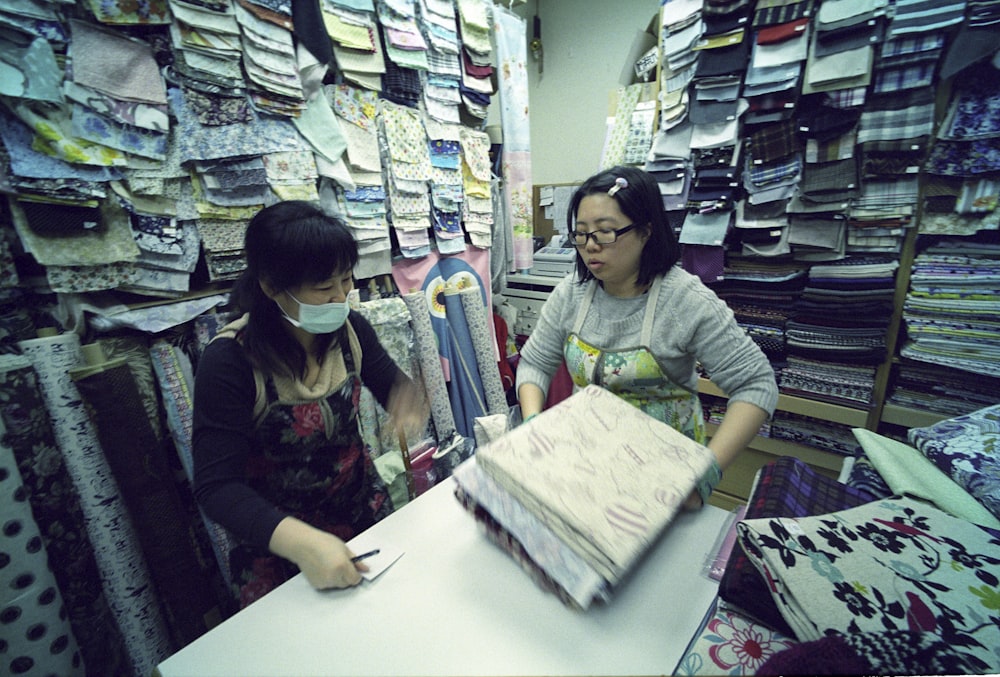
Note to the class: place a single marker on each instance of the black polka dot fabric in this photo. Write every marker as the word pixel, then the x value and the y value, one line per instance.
pixel 35 635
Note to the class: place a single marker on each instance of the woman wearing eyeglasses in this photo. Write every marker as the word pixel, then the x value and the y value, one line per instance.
pixel 632 321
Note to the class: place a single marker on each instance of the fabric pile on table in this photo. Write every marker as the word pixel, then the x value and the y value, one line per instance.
pixel 894 571
pixel 579 493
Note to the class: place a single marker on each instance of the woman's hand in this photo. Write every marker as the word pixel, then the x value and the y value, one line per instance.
pixel 322 557
pixel 408 407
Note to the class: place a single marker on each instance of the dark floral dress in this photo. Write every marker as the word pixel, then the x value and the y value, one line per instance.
pixel 309 460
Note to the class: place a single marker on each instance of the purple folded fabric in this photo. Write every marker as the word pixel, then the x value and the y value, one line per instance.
pixel 786 487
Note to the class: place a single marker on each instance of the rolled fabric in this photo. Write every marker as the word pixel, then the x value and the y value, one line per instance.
pixel 484 344
pixel 38 637
pixel 430 365
pixel 137 459
pixel 468 401
pixel 55 506
pixel 123 570
pixel 175 378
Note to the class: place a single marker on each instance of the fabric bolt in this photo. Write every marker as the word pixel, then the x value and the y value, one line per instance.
pixel 124 572
pixel 786 487
pixel 174 377
pixel 609 522
pixel 430 363
pixel 262 134
pixel 466 391
pixel 882 566
pixel 896 125
pixel 155 505
pixel 38 637
pixel 56 509
pixel 485 349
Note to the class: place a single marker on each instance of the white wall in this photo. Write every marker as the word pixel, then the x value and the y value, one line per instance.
pixel 586 46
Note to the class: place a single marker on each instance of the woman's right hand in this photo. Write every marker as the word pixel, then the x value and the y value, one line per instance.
pixel 322 557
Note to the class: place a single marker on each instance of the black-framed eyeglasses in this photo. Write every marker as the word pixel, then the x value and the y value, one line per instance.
pixel 601 237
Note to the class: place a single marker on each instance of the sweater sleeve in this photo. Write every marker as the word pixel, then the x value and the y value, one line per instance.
pixel 731 359
pixel 224 395
pixel 542 353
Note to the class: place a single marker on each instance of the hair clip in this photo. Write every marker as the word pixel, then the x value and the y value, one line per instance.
pixel 619 184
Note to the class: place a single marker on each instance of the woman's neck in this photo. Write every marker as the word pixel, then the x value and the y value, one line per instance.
pixel 625 290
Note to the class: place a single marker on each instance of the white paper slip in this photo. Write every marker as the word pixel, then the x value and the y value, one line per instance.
pixel 386 555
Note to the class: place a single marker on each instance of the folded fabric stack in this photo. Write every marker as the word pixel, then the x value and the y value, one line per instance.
pixel 579 493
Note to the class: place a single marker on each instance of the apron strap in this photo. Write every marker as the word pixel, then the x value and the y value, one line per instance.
pixel 650 312
pixel 588 296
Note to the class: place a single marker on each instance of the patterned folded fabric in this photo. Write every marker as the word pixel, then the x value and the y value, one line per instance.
pixel 549 562
pixel 890 565
pixel 896 652
pixel 964 448
pixel 786 487
pixel 604 476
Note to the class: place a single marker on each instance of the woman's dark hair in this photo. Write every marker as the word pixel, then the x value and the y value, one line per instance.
pixel 286 245
pixel 640 200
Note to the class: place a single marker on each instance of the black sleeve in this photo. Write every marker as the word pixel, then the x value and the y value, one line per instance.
pixel 222 439
pixel 378 370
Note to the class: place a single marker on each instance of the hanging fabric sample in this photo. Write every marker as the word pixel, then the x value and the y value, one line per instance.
pixel 511 37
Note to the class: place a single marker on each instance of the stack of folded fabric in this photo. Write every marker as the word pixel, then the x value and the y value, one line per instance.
pixel 579 493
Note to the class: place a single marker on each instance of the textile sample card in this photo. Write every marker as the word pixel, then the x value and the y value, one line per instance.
pixel 602 508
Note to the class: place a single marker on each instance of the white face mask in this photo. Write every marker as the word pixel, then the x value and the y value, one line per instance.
pixel 321 318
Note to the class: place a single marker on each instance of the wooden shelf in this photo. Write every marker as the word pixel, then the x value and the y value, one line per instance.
pixel 800 405
pixel 817 458
pixel 910 418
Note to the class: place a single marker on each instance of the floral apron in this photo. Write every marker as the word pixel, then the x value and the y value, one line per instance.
pixel 633 373
pixel 309 460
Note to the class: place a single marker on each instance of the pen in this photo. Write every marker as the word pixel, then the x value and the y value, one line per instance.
pixel 365 555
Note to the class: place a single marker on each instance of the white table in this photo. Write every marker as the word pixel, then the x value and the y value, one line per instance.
pixel 456 604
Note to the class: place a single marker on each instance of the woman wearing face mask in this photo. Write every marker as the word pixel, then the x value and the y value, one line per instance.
pixel 278 459
pixel 634 322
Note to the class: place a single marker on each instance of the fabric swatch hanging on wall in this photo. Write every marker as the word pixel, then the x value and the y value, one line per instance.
pixel 56 508
pixel 123 571
pixel 510 32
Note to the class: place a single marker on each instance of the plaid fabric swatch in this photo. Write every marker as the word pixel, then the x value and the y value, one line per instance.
pixel 774 141
pixel 786 487
pixel 773 12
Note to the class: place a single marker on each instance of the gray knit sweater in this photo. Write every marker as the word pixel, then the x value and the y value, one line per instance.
pixel 691 325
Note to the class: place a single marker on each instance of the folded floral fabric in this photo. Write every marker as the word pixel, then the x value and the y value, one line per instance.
pixel 964 448
pixel 894 564
pixel 604 476
pixel 786 487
